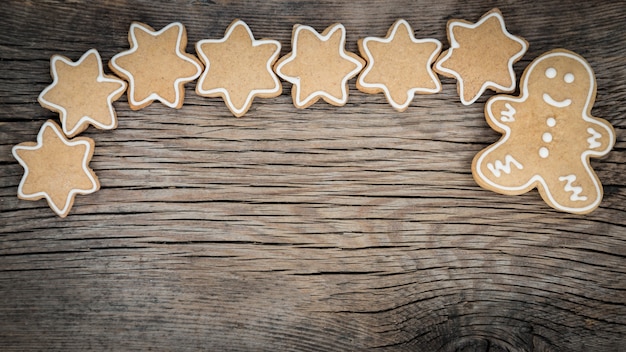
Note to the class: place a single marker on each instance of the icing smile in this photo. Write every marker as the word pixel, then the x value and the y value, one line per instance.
pixel 558 104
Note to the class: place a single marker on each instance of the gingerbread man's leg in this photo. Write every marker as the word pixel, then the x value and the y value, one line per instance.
pixel 503 170
pixel 576 190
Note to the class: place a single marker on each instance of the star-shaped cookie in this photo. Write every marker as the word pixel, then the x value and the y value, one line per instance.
pixel 399 65
pixel 481 56
pixel 56 168
pixel 81 93
pixel 156 66
pixel 319 66
pixel 238 68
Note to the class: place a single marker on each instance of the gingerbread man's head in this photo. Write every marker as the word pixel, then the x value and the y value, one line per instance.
pixel 562 80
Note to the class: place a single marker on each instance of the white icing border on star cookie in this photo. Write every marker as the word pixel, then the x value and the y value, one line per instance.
pixel 155 96
pixel 61 212
pixel 101 78
pixel 454 44
pixel 584 157
pixel 411 92
pixel 342 52
pixel 255 43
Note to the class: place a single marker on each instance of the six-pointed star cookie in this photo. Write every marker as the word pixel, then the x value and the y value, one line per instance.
pixel 81 93
pixel 56 168
pixel 399 65
pixel 156 66
pixel 318 66
pixel 481 56
pixel 238 68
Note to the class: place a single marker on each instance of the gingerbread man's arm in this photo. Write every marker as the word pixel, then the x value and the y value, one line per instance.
pixel 600 137
pixel 502 111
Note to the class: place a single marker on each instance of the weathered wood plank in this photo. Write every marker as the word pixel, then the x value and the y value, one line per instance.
pixel 324 229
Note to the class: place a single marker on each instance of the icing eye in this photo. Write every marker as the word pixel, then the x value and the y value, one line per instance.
pixel 551 72
pixel 569 78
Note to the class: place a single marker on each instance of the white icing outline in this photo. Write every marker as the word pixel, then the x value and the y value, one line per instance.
pixel 100 78
pixel 411 92
pixel 253 92
pixel 134 47
pixel 342 52
pixel 584 157
pixel 38 195
pixel 454 44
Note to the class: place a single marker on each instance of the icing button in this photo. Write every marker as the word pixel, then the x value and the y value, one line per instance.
pixel 543 152
pixel 551 122
pixel 547 137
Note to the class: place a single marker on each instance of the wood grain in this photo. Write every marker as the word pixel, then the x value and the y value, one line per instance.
pixel 324 229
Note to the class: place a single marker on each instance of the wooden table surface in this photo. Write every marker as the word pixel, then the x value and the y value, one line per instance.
pixel 325 229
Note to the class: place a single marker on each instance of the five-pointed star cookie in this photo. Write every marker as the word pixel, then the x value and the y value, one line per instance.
pixel 156 66
pixel 56 168
pixel 319 66
pixel 238 68
pixel 481 56
pixel 399 65
pixel 81 93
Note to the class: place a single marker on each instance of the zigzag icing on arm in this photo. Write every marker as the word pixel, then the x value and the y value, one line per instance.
pixel 508 115
pixel 593 140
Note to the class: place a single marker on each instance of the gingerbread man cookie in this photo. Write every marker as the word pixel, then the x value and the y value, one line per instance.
pixel 81 93
pixel 481 56
pixel 399 65
pixel 549 135
pixel 319 66
pixel 56 168
pixel 156 66
pixel 238 68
